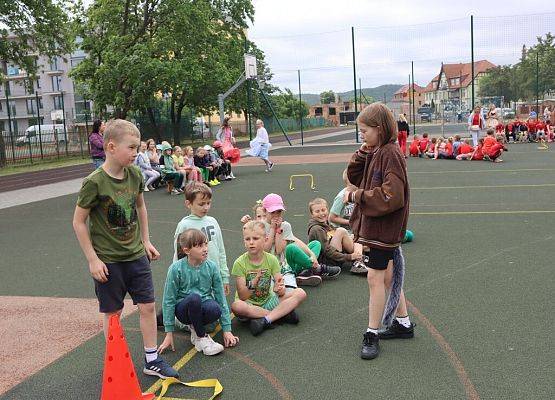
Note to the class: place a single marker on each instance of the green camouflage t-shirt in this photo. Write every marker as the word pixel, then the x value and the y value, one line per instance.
pixel 113 222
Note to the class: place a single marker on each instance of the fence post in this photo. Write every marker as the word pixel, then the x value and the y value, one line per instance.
pixel 300 107
pixel 354 80
pixel 472 55
pixel 64 120
pixel 411 93
pixel 410 101
pixel 538 82
pixel 30 151
pixel 6 87
pixel 247 116
pixel 38 123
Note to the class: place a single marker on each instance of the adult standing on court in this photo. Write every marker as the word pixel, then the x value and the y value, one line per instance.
pixel 96 142
pixel 403 132
pixel 260 145
pixel 476 123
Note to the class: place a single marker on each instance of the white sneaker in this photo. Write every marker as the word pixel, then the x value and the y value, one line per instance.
pixel 232 176
pixel 208 346
pixel 146 189
pixel 194 337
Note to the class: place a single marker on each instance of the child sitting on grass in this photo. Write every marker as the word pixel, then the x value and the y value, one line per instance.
pixel 338 247
pixel 492 148
pixel 194 294
pixel 202 161
pixel 414 149
pixel 431 151
pixel 169 173
pixel 255 299
pixel 478 154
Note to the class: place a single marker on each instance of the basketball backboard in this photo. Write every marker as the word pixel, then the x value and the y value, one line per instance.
pixel 250 66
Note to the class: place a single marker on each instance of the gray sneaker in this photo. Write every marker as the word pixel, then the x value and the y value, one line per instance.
pixel 359 268
pixel 307 278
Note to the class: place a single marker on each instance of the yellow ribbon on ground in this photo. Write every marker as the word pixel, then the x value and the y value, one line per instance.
pixel 205 383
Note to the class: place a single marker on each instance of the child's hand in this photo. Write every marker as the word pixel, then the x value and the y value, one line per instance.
pixel 276 223
pixel 245 219
pixel 230 339
pixel 99 271
pixel 226 289
pixel 279 287
pixel 168 342
pixel 151 251
pixel 256 279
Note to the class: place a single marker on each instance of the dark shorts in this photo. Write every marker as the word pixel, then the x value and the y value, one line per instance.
pixel 377 258
pixel 133 277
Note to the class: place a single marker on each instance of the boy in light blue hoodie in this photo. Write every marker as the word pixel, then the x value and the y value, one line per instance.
pixel 198 198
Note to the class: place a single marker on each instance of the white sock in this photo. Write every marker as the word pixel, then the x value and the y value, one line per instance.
pixel 151 354
pixel 374 331
pixel 405 321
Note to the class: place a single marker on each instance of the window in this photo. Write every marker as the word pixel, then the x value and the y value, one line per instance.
pixel 29 87
pixel 14 126
pixel 58 102
pixel 33 121
pixel 56 83
pixel 0 108
pixel 31 106
pixel 12 108
pixel 12 70
pixel 1 126
pixel 318 111
pixel 38 83
pixel 54 64
pixel 40 103
pixel 75 62
pixel 331 111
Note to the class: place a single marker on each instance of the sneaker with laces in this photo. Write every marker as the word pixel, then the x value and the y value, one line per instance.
pixel 258 325
pixel 370 346
pixel 397 331
pixel 231 175
pixel 160 368
pixel 175 192
pixel 308 278
pixel 270 166
pixel 329 271
pixel 359 268
pixel 216 182
pixel 207 345
pixel 193 333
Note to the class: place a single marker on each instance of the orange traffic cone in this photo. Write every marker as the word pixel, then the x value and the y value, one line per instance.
pixel 119 381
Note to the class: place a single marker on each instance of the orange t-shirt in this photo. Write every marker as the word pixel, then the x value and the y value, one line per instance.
pixel 449 149
pixel 465 149
pixel 489 141
pixel 413 149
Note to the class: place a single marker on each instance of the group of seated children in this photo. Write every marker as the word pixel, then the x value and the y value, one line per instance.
pixel 266 276
pixel 489 148
pixel 535 129
pixel 177 166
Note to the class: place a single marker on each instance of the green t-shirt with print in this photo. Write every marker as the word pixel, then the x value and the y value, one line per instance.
pixel 243 267
pixel 113 221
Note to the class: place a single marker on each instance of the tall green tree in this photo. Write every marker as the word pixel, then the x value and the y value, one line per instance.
pixel 500 81
pixel 28 26
pixel 287 105
pixel 327 97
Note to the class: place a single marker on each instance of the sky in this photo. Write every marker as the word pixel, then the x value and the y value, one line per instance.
pixel 315 38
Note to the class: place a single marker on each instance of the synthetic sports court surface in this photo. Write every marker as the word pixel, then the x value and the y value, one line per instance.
pixel 479 282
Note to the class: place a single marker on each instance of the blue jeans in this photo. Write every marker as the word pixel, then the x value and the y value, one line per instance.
pixel 193 311
pixel 97 162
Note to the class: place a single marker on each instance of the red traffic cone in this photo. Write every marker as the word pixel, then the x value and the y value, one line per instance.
pixel 119 381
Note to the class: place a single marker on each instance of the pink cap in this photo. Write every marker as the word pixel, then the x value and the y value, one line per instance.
pixel 217 144
pixel 273 202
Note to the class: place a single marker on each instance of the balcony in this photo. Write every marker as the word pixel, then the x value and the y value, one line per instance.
pixel 55 72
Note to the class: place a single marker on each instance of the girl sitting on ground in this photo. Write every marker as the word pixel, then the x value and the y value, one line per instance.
pixel 149 174
pixel 431 150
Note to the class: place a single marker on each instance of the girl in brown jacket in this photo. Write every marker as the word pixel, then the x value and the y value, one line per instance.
pixel 379 220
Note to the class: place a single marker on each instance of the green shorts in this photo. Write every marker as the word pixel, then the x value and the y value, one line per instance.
pixel 271 303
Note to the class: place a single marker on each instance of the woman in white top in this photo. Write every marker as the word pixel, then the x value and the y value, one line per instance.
pixel 260 145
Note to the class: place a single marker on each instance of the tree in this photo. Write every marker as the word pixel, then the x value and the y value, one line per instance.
pixel 286 105
pixel 28 27
pixel 139 50
pixel 500 81
pixel 327 97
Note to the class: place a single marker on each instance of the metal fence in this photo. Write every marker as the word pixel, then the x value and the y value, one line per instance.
pixel 27 147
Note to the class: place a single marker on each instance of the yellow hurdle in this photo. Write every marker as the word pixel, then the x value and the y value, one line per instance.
pixel 543 145
pixel 312 186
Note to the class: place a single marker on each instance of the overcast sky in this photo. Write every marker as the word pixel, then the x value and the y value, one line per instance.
pixel 315 37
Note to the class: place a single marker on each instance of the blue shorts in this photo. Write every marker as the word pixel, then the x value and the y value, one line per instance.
pixel 263 153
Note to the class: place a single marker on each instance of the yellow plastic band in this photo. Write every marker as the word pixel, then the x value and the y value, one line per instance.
pixel 312 186
pixel 205 383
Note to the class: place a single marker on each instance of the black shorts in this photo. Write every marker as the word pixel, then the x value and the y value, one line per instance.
pixel 133 277
pixel 377 258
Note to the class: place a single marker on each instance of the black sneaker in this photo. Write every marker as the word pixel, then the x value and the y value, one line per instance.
pixel 291 318
pixel 397 331
pixel 308 278
pixel 257 326
pixel 329 271
pixel 160 368
pixel 370 346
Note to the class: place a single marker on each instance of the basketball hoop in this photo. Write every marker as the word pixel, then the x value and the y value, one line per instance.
pixel 250 66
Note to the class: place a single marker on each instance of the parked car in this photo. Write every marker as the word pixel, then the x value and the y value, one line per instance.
pixel 425 114
pixel 507 113
pixel 49 133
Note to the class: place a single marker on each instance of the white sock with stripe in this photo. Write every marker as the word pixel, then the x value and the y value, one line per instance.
pixel 151 354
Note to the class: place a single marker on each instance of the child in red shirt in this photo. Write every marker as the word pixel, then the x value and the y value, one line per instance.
pixel 430 152
pixel 532 126
pixel 424 144
pixel 447 152
pixel 465 150
pixel 492 149
pixel 414 149
pixel 478 154
pixel 541 129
